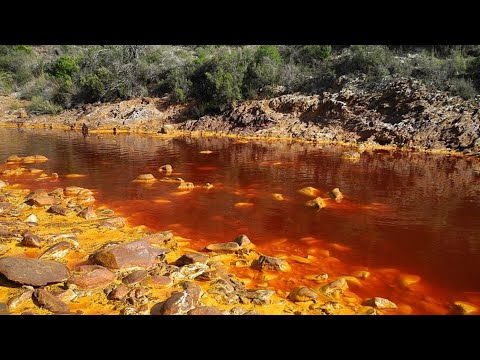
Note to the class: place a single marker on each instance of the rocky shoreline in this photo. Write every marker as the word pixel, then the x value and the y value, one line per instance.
pixel 61 254
pixel 402 114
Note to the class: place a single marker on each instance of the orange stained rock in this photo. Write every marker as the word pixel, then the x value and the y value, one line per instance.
pixel 278 197
pixel 206 152
pixel 162 201
pixel 340 247
pixel 300 259
pixel 408 279
pixel 309 191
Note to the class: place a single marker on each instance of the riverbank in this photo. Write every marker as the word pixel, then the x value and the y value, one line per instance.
pixel 401 115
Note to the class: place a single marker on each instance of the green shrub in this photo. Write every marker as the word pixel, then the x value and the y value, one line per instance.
pixel 463 88
pixel 311 54
pixel 6 83
pixel 39 106
pixel 64 67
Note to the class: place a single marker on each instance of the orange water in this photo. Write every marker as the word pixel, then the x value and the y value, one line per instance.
pixel 403 213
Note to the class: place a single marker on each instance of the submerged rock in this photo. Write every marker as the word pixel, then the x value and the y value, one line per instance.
pixel 3 184
pixel 33 272
pixel 89 277
pixel 208 186
pixel 270 263
pixel 113 223
pixel 462 307
pixel 136 253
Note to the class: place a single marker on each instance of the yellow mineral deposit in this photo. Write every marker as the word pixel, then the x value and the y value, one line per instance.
pixel 340 247
pixel 206 152
pixel 162 201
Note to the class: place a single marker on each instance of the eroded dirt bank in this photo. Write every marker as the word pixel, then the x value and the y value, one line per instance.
pixel 403 114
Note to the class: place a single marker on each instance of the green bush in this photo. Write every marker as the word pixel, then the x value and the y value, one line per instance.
pixel 463 88
pixel 6 83
pixel 375 61
pixel 65 67
pixel 311 54
pixel 39 106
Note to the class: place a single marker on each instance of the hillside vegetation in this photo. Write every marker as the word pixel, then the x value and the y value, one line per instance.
pixel 215 77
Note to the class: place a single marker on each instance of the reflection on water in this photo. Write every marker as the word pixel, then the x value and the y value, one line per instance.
pixel 417 213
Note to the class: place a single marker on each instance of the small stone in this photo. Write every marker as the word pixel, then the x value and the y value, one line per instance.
pixel 278 197
pixel 42 200
pixel 135 277
pixel 316 203
pixel 242 240
pixel 337 285
pixel 89 277
pixel 72 191
pixel 117 222
pixel 31 240
pixel 50 302
pixel 186 186
pixel 58 210
pixel 309 191
pixel 361 274
pixel 65 295
pixel 166 168
pixel 193 290
pixel 3 248
pixel 33 271
pixel 208 186
pixel 463 307
pixel 177 304
pixel 302 293
pixel 57 250
pixel 259 297
pixel 237 310
pixel 3 184
pixel 32 218
pixel 270 263
pixel 207 310
pixel 350 155
pixel 136 253
pixel 223 247
pixel 145 178
pixel 191 258
pixel 336 195
pixel 87 213
pixel 300 259
pixel 380 303
pixel 14 159
pixel 4 309
pixel 162 280
pixel 20 299
pixel 119 292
